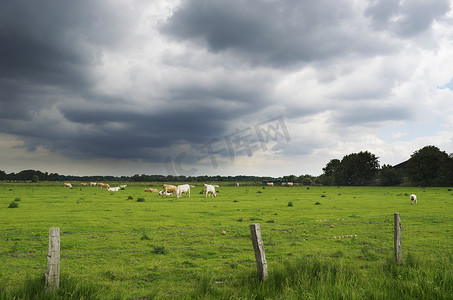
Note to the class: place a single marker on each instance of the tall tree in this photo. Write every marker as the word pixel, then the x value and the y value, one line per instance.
pixel 389 176
pixel 430 167
pixel 328 177
pixel 357 169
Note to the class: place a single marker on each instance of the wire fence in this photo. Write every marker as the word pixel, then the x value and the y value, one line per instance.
pixel 144 251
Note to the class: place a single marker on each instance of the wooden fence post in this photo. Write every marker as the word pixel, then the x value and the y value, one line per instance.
pixel 53 259
pixel 258 246
pixel 397 238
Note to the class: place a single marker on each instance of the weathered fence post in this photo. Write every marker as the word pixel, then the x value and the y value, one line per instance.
pixel 258 246
pixel 397 238
pixel 53 259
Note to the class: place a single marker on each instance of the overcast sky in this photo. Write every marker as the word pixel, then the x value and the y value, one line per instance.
pixel 208 87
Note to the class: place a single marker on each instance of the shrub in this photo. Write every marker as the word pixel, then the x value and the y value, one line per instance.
pixel 130 198
pixel 290 203
pixel 159 250
pixel 318 203
pixel 13 204
pixel 17 199
pixel 141 200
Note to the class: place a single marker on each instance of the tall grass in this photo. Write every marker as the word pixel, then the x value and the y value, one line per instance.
pixel 309 278
pixel 312 278
pixel 34 288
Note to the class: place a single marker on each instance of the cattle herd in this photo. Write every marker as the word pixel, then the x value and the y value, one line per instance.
pixel 167 189
pixel 178 190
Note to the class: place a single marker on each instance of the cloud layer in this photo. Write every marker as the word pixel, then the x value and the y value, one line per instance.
pixel 136 84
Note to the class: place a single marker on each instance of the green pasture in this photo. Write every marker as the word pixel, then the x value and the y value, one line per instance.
pixel 131 244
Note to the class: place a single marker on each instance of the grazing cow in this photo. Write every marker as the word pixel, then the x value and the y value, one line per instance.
pixel 93 184
pixel 105 186
pixel 168 188
pixel 150 190
pixel 162 193
pixel 237 184
pixel 209 189
pixel 83 184
pixel 290 184
pixel 67 184
pixel 296 184
pixel 413 199
pixel 270 184
pixel 184 188
pixel 114 189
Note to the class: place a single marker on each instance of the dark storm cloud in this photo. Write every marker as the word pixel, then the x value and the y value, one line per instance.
pixel 48 51
pixel 274 33
pixel 53 42
pixel 48 91
pixel 406 18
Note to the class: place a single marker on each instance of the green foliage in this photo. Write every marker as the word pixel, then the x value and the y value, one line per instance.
pixel 430 167
pixel 389 176
pixel 354 169
pixel 144 237
pixel 70 288
pixel 160 250
pixel 290 203
pixel 357 169
pixel 13 204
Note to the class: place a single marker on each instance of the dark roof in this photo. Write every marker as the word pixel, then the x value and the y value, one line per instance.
pixel 401 165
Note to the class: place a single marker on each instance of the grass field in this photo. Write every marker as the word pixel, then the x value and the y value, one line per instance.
pixel 320 242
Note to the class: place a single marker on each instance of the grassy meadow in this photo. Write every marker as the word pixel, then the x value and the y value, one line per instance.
pixel 320 242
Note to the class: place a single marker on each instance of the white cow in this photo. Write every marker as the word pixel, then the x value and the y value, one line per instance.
pixel 270 184
pixel 162 193
pixel 209 189
pixel 413 199
pixel 67 184
pixel 184 188
pixel 113 189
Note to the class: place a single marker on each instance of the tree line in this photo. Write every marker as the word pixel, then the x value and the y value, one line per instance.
pixel 428 166
pixel 37 176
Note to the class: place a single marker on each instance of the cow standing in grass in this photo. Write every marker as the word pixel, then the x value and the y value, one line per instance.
pixel 168 189
pixel 209 190
pixel 184 188
pixel 413 199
